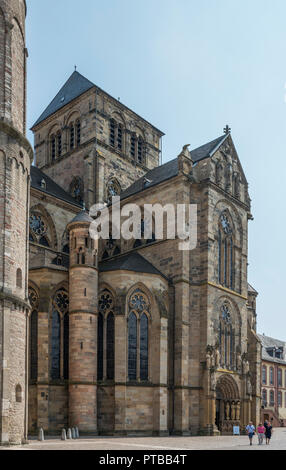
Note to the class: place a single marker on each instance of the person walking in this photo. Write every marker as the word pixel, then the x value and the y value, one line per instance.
pixel 260 433
pixel 250 429
pixel 268 432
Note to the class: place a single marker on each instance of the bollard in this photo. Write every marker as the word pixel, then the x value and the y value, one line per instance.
pixel 73 433
pixel 41 436
pixel 69 434
pixel 77 432
pixel 64 435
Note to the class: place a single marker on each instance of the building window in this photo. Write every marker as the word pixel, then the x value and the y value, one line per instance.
pixel 132 347
pixel 133 146
pixel 119 137
pixel 279 398
pixel 271 398
pixel 264 375
pixel 60 305
pixel 225 252
pixel 59 142
pixel 226 338
pixel 18 393
pixel 271 376
pixel 53 147
pixel 264 397
pixel 138 344
pixel 105 353
pixel 38 229
pixel 33 340
pixel 112 132
pixel 78 133
pixel 19 278
pixel 100 347
pixel 144 347
pixel 71 136
pixel 113 189
pixel 66 346
pixel 279 377
pixel 110 347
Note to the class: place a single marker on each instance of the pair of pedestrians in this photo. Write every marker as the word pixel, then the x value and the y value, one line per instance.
pixel 262 430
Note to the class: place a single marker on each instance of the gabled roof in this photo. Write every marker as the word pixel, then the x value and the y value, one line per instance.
pixel 170 169
pixel 251 289
pixel 52 188
pixel 75 86
pixel 268 342
pixel 130 262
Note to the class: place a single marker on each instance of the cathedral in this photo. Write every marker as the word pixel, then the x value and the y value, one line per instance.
pixel 116 336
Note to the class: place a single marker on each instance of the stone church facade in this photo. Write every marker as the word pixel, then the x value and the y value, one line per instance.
pixel 117 336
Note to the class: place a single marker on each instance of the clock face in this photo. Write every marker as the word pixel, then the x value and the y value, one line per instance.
pixel 37 225
pixel 225 224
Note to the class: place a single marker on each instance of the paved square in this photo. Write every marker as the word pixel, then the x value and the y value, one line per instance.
pixel 278 442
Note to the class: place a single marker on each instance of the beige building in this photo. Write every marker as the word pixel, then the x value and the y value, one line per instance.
pixel 273 380
pixel 123 336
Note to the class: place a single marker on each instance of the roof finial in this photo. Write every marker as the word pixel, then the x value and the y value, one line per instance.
pixel 227 129
pixel 75 68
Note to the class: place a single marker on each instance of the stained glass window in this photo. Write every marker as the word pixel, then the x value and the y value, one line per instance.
pixel 66 346
pixel 100 347
pixel 132 347
pixel 110 347
pixel 144 347
pixel 55 345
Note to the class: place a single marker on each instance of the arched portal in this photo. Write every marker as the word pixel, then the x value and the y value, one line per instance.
pixel 227 404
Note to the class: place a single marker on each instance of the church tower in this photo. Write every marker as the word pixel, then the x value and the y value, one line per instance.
pixel 16 156
pixel 83 315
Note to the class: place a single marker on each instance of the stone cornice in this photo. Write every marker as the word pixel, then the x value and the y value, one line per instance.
pixel 15 134
pixel 14 299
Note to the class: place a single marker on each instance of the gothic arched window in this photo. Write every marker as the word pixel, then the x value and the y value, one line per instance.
pixel 100 347
pixel 53 147
pixel 72 140
pixel 225 252
pixel 78 132
pixel 113 189
pixel 138 336
pixel 110 346
pixel 59 322
pixel 33 340
pixel 39 229
pixel 226 338
pixel 106 323
pixel 132 346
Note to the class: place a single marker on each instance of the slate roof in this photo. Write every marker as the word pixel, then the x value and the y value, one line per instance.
pixel 51 188
pixel 170 169
pixel 75 86
pixel 83 216
pixel 252 290
pixel 130 262
pixel 268 342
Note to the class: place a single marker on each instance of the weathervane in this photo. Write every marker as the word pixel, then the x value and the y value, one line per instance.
pixel 227 129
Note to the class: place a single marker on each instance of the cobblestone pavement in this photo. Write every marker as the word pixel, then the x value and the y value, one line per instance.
pixel 278 442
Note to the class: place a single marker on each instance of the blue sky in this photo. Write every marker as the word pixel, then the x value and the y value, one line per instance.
pixel 189 67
